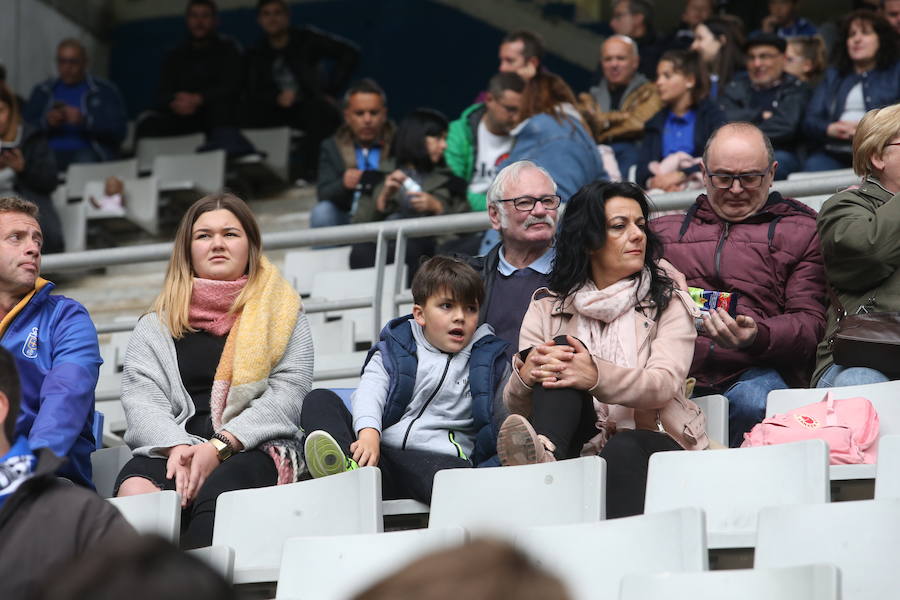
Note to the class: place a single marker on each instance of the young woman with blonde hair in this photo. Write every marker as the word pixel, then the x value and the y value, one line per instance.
pixel 215 374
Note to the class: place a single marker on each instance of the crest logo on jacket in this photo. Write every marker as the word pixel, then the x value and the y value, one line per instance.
pixel 29 349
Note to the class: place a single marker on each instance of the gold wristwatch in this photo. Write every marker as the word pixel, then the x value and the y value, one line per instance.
pixel 223 446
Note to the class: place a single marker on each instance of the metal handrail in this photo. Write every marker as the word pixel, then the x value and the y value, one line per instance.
pixel 381 232
pixel 367 232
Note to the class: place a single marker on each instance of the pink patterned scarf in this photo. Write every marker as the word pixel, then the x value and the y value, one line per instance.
pixel 210 302
pixel 605 318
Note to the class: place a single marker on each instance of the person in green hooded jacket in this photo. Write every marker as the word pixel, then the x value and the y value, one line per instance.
pixel 479 140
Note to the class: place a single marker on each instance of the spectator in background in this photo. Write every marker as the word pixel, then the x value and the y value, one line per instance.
pixel 743 239
pixel 674 138
pixel 44 521
pixel 27 168
pixel 860 236
pixel 890 10
pixel 805 59
pixel 83 116
pixel 354 159
pixel 523 207
pixel 54 343
pixel 210 409
pixel 554 135
pixel 719 41
pixel 617 108
pixel 634 18
pixel 769 98
pixel 200 80
pixel 418 184
pixel 479 140
pixel 784 21
pixel 695 12
pixel 521 52
pixel 286 82
pixel 866 75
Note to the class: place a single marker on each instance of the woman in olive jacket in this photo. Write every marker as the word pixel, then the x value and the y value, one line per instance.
pixel 860 233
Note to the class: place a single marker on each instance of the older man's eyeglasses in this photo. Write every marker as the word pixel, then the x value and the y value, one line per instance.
pixel 527 203
pixel 749 181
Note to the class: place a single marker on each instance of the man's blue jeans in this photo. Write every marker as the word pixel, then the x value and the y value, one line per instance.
pixel 326 214
pixel 747 401
pixel 838 376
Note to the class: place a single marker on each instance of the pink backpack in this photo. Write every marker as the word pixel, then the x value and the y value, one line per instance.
pixel 849 426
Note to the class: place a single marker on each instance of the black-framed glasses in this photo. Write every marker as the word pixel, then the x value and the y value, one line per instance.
pixel 527 203
pixel 749 181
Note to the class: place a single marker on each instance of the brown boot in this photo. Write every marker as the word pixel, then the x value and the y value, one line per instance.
pixel 519 444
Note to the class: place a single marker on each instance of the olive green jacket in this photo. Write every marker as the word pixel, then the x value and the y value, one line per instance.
pixel 860 234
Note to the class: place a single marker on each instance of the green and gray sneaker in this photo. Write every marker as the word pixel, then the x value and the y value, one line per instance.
pixel 324 455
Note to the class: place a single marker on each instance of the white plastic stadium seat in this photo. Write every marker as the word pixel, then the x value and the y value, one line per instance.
pixel 149 148
pixel 256 522
pixel 861 538
pixel 105 465
pixel 807 582
pixel 356 283
pixel 79 174
pixel 716 410
pixel 338 567
pixel 500 498
pixel 887 479
pixel 883 397
pixel 300 266
pixel 158 513
pixel 732 485
pixel 275 142
pixel 591 558
pixel 203 172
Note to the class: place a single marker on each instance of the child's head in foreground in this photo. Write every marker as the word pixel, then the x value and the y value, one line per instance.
pixel 447 294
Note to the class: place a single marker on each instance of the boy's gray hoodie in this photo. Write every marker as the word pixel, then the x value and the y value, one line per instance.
pixel 439 416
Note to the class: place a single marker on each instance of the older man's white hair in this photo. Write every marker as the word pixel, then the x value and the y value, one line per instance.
pixel 497 191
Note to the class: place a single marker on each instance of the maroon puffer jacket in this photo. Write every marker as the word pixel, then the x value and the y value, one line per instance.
pixel 774 260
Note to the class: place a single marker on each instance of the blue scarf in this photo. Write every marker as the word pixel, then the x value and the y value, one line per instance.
pixel 16 466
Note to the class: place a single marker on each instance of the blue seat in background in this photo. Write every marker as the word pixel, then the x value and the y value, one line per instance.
pixel 344 394
pixel 97 428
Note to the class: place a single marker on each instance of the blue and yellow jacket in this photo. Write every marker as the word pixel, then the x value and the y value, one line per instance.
pixel 54 343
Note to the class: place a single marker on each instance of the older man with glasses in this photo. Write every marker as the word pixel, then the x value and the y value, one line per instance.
pixel 763 249
pixel 523 205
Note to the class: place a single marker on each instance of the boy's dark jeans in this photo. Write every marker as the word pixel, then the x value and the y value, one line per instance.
pixel 404 473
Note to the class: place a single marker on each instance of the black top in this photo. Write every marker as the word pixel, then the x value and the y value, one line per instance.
pixel 198 357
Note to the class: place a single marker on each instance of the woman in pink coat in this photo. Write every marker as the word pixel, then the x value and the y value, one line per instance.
pixel 605 351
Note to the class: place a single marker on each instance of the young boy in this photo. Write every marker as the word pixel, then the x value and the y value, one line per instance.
pixel 426 400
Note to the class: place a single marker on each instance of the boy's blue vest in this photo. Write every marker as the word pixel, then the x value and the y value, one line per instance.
pixel 487 372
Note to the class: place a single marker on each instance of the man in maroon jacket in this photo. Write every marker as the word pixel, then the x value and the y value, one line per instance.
pixel 741 238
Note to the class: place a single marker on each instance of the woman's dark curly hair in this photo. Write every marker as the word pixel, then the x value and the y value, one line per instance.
pixel 583 229
pixel 887 41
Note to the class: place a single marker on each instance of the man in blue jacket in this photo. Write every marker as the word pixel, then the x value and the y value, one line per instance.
pixel 84 116
pixel 54 344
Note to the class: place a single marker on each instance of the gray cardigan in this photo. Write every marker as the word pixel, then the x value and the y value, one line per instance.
pixel 157 406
